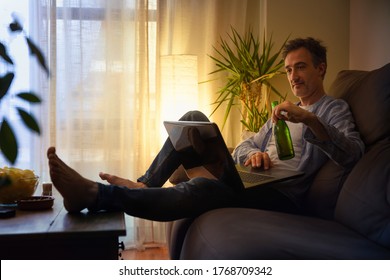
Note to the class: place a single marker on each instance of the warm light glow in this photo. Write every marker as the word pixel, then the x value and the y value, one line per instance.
pixel 179 86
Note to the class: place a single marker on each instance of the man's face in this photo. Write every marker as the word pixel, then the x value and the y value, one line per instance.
pixel 305 79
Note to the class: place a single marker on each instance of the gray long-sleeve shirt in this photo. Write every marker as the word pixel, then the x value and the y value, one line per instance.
pixel 345 146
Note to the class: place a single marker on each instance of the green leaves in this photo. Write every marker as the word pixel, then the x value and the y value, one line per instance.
pixel 29 96
pixel 5 83
pixel 29 120
pixel 8 139
pixel 4 54
pixel 8 143
pixel 246 61
pixel 34 51
pixel 16 27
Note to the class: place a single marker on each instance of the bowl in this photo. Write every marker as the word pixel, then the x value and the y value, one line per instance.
pixel 36 203
pixel 16 184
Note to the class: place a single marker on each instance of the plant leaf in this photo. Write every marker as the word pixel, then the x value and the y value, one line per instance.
pixel 8 143
pixel 29 120
pixel 4 55
pixel 5 83
pixel 29 96
pixel 247 61
pixel 15 26
pixel 34 50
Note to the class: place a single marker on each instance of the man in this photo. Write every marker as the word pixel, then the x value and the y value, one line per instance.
pixel 322 128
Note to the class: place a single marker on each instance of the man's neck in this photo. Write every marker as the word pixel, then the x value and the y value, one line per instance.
pixel 309 100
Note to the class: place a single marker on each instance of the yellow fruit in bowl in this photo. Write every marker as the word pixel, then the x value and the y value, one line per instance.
pixel 16 184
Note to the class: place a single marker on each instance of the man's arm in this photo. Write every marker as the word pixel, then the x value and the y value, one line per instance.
pixel 248 151
pixel 331 128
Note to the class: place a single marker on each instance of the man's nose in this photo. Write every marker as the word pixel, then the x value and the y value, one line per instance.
pixel 294 76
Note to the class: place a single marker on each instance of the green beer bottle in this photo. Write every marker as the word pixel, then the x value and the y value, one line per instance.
pixel 283 141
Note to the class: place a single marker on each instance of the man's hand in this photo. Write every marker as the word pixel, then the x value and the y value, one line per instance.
pixel 293 113
pixel 258 160
pixel 290 112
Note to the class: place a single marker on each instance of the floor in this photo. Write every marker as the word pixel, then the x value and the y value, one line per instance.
pixel 159 253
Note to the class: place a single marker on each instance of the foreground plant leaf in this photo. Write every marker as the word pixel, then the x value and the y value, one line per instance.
pixel 29 96
pixel 34 50
pixel 8 143
pixel 4 55
pixel 29 120
pixel 5 83
pixel 15 26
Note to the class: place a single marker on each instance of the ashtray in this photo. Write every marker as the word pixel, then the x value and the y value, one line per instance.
pixel 36 203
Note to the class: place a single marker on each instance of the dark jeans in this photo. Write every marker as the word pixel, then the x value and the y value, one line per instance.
pixel 186 199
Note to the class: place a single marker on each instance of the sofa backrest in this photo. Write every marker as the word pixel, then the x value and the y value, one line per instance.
pixel 367 93
pixel 364 200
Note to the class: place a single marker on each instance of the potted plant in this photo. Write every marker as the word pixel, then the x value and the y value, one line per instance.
pixel 250 66
pixel 8 139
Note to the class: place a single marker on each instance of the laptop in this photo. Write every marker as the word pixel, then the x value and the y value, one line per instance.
pixel 217 159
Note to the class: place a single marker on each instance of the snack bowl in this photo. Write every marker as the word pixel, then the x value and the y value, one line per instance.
pixel 16 184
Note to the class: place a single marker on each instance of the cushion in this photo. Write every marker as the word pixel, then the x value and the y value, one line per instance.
pixel 323 193
pixel 238 233
pixel 364 201
pixel 368 95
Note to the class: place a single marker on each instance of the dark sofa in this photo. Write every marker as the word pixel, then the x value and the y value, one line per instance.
pixel 347 215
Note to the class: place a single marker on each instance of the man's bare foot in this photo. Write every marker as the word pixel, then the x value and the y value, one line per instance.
pixel 78 192
pixel 115 180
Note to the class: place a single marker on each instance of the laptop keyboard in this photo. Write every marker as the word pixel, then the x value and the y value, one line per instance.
pixel 253 177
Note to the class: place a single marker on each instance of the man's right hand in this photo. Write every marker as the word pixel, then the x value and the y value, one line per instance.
pixel 258 160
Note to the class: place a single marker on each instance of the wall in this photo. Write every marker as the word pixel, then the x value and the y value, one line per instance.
pixel 369 34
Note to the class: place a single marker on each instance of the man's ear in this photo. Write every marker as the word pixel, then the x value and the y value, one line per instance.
pixel 322 69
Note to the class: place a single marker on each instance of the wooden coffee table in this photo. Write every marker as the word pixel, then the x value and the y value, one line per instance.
pixel 56 234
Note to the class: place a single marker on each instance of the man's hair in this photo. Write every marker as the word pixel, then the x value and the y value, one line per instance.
pixel 315 47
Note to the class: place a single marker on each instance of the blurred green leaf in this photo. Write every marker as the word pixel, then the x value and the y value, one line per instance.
pixel 5 83
pixel 29 120
pixel 8 140
pixel 15 26
pixel 8 143
pixel 4 55
pixel 29 96
pixel 35 51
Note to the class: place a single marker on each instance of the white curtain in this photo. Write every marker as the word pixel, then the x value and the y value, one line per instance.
pixel 118 69
pixel 102 108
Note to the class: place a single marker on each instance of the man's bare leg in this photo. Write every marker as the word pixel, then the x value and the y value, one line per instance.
pixel 115 180
pixel 78 192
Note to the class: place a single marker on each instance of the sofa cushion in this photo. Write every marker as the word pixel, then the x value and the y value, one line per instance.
pixel 238 233
pixel 322 196
pixel 368 95
pixel 364 201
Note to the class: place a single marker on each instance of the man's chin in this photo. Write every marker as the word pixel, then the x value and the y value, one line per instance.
pixel 298 91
